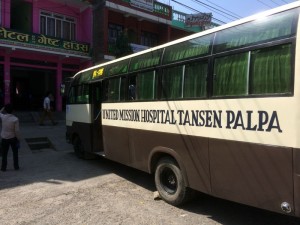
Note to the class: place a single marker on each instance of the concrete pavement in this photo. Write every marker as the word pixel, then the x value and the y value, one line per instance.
pixel 33 136
pixel 38 139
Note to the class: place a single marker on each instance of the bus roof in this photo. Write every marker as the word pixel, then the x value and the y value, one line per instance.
pixel 199 34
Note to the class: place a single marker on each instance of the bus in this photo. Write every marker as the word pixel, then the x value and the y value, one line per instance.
pixel 216 112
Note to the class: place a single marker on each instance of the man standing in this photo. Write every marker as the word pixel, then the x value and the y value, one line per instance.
pixel 47 111
pixel 10 135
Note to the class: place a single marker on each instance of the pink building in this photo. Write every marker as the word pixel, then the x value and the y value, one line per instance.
pixel 42 42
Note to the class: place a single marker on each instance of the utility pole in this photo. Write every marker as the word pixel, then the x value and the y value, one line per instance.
pixel 98 30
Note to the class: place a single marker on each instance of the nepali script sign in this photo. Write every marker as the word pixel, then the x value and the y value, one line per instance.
pixel 200 19
pixel 40 41
pixel 143 4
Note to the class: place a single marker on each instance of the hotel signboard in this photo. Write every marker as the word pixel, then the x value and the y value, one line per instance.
pixel 199 19
pixel 42 42
pixel 143 4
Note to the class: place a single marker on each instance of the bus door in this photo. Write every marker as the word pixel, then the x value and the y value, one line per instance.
pixel 96 101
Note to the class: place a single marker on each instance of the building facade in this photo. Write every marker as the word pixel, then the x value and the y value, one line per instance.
pixel 42 42
pixel 147 23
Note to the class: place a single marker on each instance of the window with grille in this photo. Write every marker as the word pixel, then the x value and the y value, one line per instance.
pixel 114 31
pixel 58 26
pixel 149 39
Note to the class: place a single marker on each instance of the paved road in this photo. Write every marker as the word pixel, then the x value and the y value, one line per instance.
pixel 55 187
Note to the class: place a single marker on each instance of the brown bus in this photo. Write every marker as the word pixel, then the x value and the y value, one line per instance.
pixel 217 112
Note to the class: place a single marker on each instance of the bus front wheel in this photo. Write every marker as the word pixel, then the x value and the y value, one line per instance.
pixel 170 183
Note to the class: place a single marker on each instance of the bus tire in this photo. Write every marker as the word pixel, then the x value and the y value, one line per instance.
pixel 170 183
pixel 78 147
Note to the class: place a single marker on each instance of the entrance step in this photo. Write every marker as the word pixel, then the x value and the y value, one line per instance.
pixel 100 153
pixel 39 143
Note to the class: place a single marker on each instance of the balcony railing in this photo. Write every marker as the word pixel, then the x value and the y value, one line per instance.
pixel 159 9
pixel 179 19
pixel 135 47
pixel 179 16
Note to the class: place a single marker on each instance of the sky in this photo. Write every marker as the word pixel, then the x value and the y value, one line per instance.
pixel 225 10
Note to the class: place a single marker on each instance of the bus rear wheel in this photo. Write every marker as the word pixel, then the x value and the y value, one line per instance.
pixel 170 183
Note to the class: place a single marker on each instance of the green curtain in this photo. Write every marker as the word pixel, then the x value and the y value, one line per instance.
pixel 122 89
pixel 271 70
pixel 188 49
pixel 120 67
pixel 230 75
pixel 71 96
pixel 269 28
pixel 147 60
pixel 146 86
pixel 82 93
pixel 114 89
pixel 172 82
pixel 195 80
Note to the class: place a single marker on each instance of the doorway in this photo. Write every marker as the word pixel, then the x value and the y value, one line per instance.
pixel 29 85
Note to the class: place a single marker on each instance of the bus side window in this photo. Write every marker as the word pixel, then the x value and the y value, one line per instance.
pixel 115 89
pixel 123 89
pixel 132 88
pixel 105 91
pixel 146 85
pixel 231 74
pixel 71 95
pixel 82 94
pixel 112 90
pixel 271 70
pixel 195 80
pixel 172 80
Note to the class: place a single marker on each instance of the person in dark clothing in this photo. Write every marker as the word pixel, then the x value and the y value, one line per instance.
pixel 10 135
